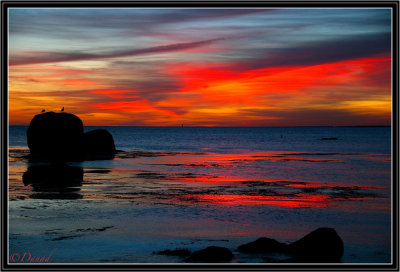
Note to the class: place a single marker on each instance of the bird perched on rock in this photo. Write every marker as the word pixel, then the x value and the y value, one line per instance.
pixel 62 109
pixel 43 110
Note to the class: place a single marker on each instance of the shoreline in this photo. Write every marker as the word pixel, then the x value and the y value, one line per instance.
pixel 113 234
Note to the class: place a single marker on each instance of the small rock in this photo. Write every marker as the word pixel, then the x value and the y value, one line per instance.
pixel 180 252
pixel 98 144
pixel 212 254
pixel 263 245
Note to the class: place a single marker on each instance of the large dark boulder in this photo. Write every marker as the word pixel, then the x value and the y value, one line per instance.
pixel 98 144
pixel 263 245
pixel 56 137
pixel 322 245
pixel 211 254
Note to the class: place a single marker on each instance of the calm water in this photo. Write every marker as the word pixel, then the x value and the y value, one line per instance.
pixel 193 187
pixel 240 139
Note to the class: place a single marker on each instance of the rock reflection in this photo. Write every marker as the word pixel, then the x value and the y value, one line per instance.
pixel 54 181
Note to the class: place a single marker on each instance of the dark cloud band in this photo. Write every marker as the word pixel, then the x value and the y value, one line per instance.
pixel 354 47
pixel 44 57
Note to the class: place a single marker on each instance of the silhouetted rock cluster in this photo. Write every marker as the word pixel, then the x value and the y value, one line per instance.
pixel 320 246
pixel 59 137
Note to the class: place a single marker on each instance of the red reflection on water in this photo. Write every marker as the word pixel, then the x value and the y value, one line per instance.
pixel 270 156
pixel 290 201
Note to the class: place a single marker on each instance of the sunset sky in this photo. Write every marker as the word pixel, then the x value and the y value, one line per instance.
pixel 202 67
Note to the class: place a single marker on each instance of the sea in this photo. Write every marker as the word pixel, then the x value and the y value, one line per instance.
pixel 189 188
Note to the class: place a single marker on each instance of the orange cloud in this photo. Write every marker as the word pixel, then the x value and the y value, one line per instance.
pixel 210 95
pixel 116 94
pixel 132 107
pixel 334 86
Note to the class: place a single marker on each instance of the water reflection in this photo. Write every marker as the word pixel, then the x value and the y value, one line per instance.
pixel 54 181
pixel 191 178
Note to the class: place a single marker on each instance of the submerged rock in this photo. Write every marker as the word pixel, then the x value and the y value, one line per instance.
pixel 54 181
pixel 180 252
pixel 263 245
pixel 53 174
pixel 321 245
pixel 62 173
pixel 56 137
pixel 211 254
